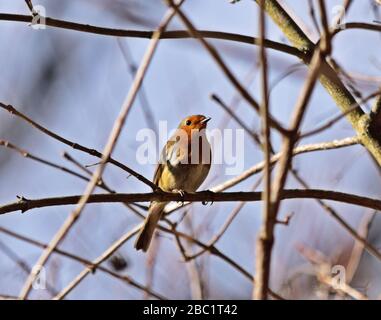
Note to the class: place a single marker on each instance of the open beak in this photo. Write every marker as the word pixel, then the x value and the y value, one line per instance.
pixel 205 121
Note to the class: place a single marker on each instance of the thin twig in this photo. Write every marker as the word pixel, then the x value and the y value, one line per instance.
pixel 29 155
pixel 79 165
pixel 30 6
pixel 171 34
pixel 325 41
pixel 292 69
pixel 132 67
pixel 230 112
pixel 329 123
pixel 101 184
pixel 346 5
pixel 313 16
pixel 357 25
pixel 75 145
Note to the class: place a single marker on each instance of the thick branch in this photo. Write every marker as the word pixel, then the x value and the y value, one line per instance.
pixel 24 204
pixel 328 77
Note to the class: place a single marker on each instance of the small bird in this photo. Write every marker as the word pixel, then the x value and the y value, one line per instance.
pixel 184 164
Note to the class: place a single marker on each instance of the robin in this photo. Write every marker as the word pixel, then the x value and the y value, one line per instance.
pixel 184 164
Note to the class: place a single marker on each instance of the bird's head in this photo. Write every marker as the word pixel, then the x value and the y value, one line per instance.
pixel 195 122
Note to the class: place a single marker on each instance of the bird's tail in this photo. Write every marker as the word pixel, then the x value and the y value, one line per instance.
pixel 148 229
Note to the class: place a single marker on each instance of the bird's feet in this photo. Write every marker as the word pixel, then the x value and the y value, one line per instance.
pixel 209 192
pixel 181 193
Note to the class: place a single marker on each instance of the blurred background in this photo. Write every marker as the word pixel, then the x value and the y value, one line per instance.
pixel 74 84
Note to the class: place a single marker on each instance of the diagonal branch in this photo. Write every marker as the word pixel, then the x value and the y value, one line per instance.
pixel 110 145
pixel 75 145
pixel 96 263
pixel 128 280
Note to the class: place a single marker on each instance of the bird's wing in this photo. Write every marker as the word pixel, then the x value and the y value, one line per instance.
pixel 164 157
pixel 157 174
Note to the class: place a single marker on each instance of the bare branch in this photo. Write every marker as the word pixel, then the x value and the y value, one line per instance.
pixel 260 291
pixel 328 124
pixel 27 154
pixel 172 34
pixel 24 204
pixel 75 145
pixel 357 25
pixel 346 5
pixel 30 6
pixel 230 112
pixel 132 68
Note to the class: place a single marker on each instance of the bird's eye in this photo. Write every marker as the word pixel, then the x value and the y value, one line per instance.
pixel 188 123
